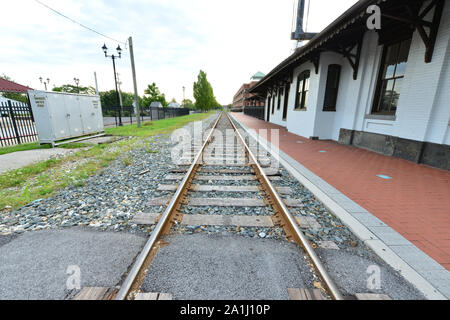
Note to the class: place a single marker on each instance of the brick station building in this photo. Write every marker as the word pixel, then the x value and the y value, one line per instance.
pixel 243 98
pixel 385 90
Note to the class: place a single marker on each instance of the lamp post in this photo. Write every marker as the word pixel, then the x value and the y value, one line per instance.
pixel 45 82
pixel 77 82
pixel 113 57
pixel 184 95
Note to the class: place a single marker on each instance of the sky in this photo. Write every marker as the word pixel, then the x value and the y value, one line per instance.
pixel 173 40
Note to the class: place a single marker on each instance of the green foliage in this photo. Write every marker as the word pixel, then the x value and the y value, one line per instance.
pixel 203 93
pixel 187 103
pixel 69 88
pixel 156 127
pixel 109 100
pixel 153 94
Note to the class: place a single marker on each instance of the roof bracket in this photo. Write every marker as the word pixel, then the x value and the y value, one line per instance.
pixel 417 22
pixel 353 58
pixel 315 61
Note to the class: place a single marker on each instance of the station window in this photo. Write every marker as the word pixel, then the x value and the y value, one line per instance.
pixel 331 91
pixel 301 100
pixel 393 66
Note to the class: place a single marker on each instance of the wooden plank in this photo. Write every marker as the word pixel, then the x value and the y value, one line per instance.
pixel 305 294
pixel 225 171
pixel 293 203
pixel 252 221
pixel 146 297
pixel 207 188
pixel 224 202
pixel 308 222
pixel 271 172
pixel 214 178
pixel 372 296
pixel 330 245
pixel 223 220
pixel 146 218
pixel 165 296
pixel 92 293
pixel 203 220
pixel 219 178
pixel 268 172
pixel 240 165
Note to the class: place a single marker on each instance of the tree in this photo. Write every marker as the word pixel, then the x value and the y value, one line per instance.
pixel 109 101
pixel 21 97
pixel 203 93
pixel 187 103
pixel 153 94
pixel 70 88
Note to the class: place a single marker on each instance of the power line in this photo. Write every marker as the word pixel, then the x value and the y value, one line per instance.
pixel 78 23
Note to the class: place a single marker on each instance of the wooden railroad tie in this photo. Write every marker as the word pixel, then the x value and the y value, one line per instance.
pixel 153 296
pixel 305 294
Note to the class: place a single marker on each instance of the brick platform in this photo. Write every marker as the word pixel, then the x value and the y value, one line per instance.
pixel 415 202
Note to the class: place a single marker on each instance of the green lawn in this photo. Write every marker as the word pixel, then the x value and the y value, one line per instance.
pixel 41 180
pixel 22 147
pixel 35 146
pixel 151 128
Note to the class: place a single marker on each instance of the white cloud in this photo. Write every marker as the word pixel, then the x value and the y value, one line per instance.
pixel 230 40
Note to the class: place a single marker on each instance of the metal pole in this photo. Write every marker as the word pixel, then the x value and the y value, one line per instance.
pixel 96 84
pixel 117 90
pixel 136 96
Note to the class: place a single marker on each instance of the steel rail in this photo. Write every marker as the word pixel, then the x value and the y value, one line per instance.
pixel 165 220
pixel 289 219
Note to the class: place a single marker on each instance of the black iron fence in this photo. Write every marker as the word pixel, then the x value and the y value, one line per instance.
pixel 16 124
pixel 256 112
pixel 148 113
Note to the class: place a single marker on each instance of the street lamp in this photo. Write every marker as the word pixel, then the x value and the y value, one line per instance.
pixel 113 57
pixel 45 82
pixel 77 82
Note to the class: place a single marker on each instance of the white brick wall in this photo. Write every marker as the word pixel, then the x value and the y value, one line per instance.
pixel 423 111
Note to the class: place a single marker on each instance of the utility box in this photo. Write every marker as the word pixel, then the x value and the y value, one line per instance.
pixel 61 116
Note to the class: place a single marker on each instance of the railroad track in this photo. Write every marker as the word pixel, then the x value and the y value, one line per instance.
pixel 205 167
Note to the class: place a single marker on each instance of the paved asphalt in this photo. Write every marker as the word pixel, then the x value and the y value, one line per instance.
pixel 227 267
pixel 230 267
pixel 33 266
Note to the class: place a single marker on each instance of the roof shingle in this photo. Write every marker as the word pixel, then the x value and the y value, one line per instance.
pixel 9 86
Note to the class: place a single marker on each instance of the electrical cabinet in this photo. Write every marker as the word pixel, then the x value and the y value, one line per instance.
pixel 60 116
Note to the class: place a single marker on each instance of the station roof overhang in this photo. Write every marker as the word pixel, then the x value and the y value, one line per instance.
pixel 345 35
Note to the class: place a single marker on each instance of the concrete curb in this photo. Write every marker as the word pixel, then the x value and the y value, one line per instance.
pixel 432 279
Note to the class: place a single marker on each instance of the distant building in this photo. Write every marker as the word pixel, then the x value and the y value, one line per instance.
pixel 243 98
pixel 174 105
pixel 156 104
